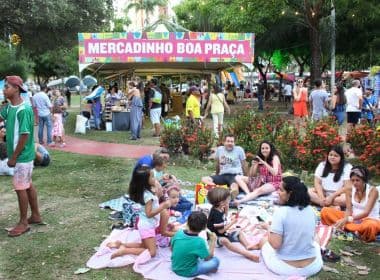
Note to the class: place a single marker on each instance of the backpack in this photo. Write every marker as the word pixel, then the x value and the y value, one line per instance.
pixel 131 212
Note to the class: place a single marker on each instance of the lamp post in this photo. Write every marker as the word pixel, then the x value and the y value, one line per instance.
pixel 332 46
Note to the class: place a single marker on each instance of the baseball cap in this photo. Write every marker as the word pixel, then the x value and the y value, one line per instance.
pixel 194 89
pixel 16 81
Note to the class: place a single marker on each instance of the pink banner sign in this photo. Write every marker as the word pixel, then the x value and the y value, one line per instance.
pixel 224 47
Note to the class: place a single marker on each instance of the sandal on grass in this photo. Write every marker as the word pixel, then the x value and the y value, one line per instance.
pixel 329 256
pixel 18 230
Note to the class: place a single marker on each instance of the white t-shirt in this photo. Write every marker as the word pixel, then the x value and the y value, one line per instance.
pixel 328 184
pixel 353 95
pixel 288 90
pixel 144 221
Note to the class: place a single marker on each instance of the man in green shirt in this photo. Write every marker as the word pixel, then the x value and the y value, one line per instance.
pixel 20 148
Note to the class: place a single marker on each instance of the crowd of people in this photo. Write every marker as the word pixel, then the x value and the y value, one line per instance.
pixel 288 248
pixel 354 105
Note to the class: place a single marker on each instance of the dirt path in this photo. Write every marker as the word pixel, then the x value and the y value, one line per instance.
pixel 89 147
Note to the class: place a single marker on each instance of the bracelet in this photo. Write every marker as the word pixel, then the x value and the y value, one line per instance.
pixel 350 219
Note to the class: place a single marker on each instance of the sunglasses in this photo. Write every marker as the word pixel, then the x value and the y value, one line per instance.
pixel 300 82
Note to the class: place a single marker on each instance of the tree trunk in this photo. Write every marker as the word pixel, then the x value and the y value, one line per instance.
pixel 315 68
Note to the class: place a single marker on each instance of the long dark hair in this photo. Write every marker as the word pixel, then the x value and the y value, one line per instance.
pixel 298 192
pixel 273 152
pixel 139 183
pixel 327 169
pixel 340 94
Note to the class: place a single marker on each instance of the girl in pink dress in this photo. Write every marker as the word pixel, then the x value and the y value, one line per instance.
pixel 58 130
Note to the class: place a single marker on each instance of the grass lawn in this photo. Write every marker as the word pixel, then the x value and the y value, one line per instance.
pixel 69 191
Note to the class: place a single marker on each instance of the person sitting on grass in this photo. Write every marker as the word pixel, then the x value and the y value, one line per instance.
pixel 265 173
pixel 159 165
pixel 217 223
pixel 290 249
pixel 331 178
pixel 230 162
pixel 147 160
pixel 42 156
pixel 362 212
pixel 190 255
pixel 142 190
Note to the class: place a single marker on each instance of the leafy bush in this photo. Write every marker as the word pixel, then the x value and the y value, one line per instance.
pixel 12 64
pixel 297 151
pixel 172 138
pixel 187 137
pixel 365 142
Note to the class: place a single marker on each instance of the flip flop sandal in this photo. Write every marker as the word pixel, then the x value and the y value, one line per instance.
pixel 17 231
pixel 329 256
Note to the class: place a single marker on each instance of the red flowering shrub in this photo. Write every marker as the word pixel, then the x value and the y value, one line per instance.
pixel 360 137
pixel 188 138
pixel 297 151
pixel 366 144
pixel 313 147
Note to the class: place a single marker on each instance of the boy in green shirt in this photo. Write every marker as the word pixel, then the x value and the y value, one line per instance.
pixel 20 148
pixel 190 256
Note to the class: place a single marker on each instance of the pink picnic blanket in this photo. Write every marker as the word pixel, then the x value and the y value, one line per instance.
pixel 232 266
pixel 159 267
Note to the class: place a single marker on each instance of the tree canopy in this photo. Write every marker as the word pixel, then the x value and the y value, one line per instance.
pixel 48 28
pixel 300 29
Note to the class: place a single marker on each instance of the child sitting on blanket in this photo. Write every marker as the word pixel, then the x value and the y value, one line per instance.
pixel 190 256
pixel 217 222
pixel 141 191
pixel 163 178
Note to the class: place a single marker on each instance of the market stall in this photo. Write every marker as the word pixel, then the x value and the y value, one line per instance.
pixel 163 53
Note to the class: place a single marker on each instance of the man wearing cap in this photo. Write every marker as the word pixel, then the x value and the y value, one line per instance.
pixel 193 105
pixel 44 107
pixel 155 100
pixel 20 148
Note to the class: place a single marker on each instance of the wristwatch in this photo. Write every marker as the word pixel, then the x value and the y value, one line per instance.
pixel 350 219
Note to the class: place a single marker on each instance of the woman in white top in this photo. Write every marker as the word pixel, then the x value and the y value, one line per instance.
pixel 362 212
pixel 291 249
pixel 217 103
pixel 330 179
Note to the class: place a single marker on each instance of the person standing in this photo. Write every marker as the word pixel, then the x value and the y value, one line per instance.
pixel 155 100
pixel 165 99
pixel 338 104
pixel 300 103
pixel 354 98
pixel 44 107
pixel 216 104
pixel 288 93
pixel 260 95
pixel 193 106
pixel 368 109
pixel 319 99
pixel 20 148
pixel 136 105
pixel 68 97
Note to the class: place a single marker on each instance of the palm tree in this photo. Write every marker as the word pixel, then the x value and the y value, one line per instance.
pixel 146 6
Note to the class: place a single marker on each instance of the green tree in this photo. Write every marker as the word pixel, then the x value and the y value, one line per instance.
pixel 22 66
pixel 147 7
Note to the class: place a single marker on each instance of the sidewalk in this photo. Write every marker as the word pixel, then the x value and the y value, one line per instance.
pixel 89 147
